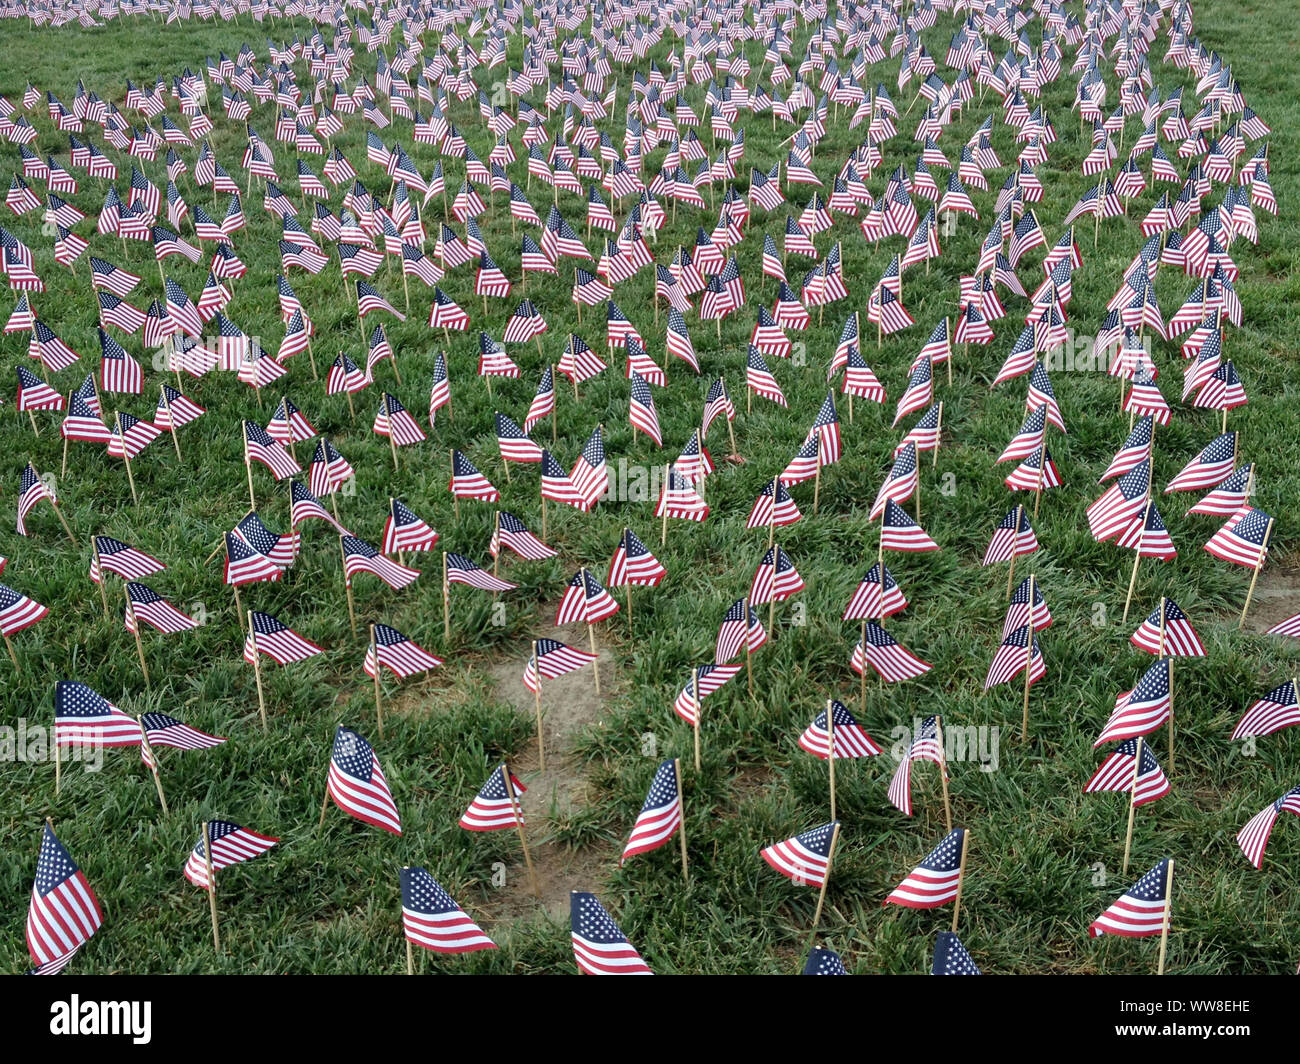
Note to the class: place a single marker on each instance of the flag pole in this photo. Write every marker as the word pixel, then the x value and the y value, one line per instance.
pixel 821 898
pixel 248 468
pixel 830 750
pixel 749 653
pixel 1170 759
pixel 1029 660
pixel 148 749
pixel 943 771
pixel 1132 803
pixel 681 823
pixel 446 601
pixel 347 585
pixel 1137 555
pixel 162 391
pixel 257 670
pixel 1015 543
pixel 537 705
pixel 699 708
pixel 135 627
pixel 1259 564
pixel 519 824
pixel 595 665
pixel 212 885
pixel 961 878
pixel 1169 912
pixel 668 481
pixel 410 953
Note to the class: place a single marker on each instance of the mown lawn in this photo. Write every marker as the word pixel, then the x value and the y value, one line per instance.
pixel 1045 859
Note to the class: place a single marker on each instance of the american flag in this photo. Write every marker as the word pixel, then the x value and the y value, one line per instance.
pixel 360 557
pixel 1210 468
pixel 244 565
pixel 925 746
pixel 851 739
pixel 899 532
pixel 445 313
pixel 468 483
pixel 404 530
pixel 590 474
pixel 641 409
pixel 760 380
pixel 1119 504
pixel 1278 709
pixel 872 600
pixel 224 844
pixel 1013 655
pixel 1253 838
pixel 1135 450
pixel 634 564
pixel 936 880
pixel 1168 632
pixel 281 550
pixel 585 600
pixel 710 678
pixel 461 570
pixel 824 962
pixel 889 658
pixel 162 730
pixel 513 442
pixel 1143 709
pixel 64 912
pixel 31 490
pixel 260 447
pixel 900 484
pixel 357 783
pixel 774 505
pixel 329 469
pixel 510 532
pixel 1243 540
pixel 1140 911
pixel 175 409
pixel 1117 773
pixel 118 371
pixel 1229 497
pixel 394 421
pixel 950 956
pixel 496 806
pixel 1013 536
pixel 740 628
pixel 18 612
pixel 268 635
pixel 401 656
pixel 432 920
pixel 83 717
pixel 776 578
pixel 599 947
pixel 805 858
pixel 661 813
pixel 145 604
pixel 554 659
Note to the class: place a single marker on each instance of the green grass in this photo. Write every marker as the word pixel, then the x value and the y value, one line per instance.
pixel 327 901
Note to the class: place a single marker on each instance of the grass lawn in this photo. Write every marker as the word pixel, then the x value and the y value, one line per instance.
pixel 1044 859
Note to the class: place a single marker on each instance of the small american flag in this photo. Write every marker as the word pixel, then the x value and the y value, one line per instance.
pixel 936 880
pixel 950 956
pixel 64 912
pixel 1253 838
pixel 83 717
pixel 401 656
pixel 554 659
pixel 1143 709
pixel 496 806
pixel 432 920
pixel 824 962
pixel 851 738
pixel 661 813
pixel 357 784
pixel 1116 773
pixel 224 844
pixel 1278 709
pixel 599 947
pixel 268 635
pixel 1140 911
pixel 805 858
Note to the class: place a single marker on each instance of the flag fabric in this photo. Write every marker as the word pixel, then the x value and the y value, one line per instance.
pixel 804 859
pixel 851 739
pixel 1278 709
pixel 936 879
pixel 357 784
pixel 925 746
pixel 1117 773
pixel 824 962
pixel 432 920
pixel 599 947
pixel 1140 911
pixel 892 661
pixel 163 730
pixel 634 564
pixel 229 844
pixel 1169 636
pixel 83 717
pixel 18 612
pixel 950 956
pixel 1253 838
pixel 553 659
pixel 64 912
pixel 145 604
pixel 1143 709
pixel 461 570
pixel 512 533
pixel 661 813
pixel 496 806
pixel 401 656
pixel 1243 540
pixel 269 636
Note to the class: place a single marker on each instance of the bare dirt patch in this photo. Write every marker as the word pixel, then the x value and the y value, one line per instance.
pixel 1277 597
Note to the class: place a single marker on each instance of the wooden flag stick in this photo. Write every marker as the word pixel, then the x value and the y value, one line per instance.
pixel 347 586
pixel 212 885
pixel 153 765
pixel 248 468
pixel 162 390
pixel 1029 660
pixel 537 707
pixel 830 750
pixel 826 878
pixel 519 824
pixel 410 953
pixel 1015 541
pixel 1137 556
pixel 699 708
pixel 681 823
pixel 1163 600
pixel 135 628
pixel 749 653
pixel 943 772
pixel 58 765
pixel 595 665
pixel 961 879
pixel 64 521
pixel 1259 564
pixel 862 682
pixel 446 601
pixel 1169 912
pixel 1132 803
pixel 257 670
pixel 379 700
pixel 12 656
pixel 663 535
